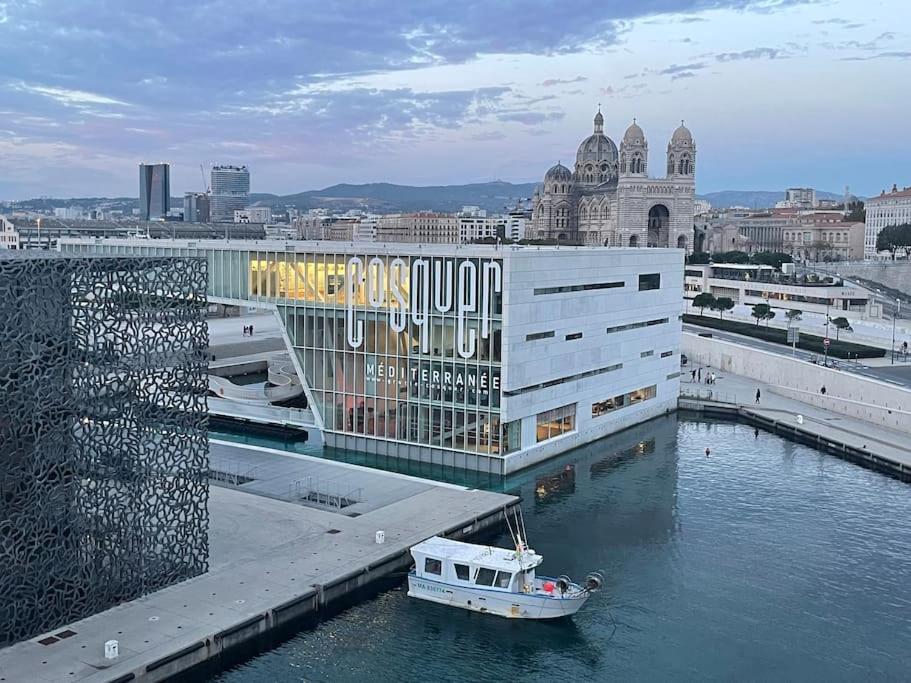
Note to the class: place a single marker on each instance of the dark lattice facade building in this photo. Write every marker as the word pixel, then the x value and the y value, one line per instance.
pixel 103 447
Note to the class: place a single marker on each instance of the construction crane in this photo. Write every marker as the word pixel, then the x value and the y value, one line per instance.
pixel 205 184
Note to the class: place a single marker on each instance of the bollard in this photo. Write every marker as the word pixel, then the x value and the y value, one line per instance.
pixel 380 537
pixel 800 419
pixel 111 649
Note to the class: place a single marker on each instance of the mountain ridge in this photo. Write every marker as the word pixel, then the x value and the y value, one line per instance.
pixel 495 196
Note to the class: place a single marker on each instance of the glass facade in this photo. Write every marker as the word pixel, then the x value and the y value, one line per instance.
pixel 405 348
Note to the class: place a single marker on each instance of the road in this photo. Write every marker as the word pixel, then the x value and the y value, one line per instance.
pixel 899 374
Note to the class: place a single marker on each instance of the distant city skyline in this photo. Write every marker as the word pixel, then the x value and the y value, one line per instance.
pixel 778 93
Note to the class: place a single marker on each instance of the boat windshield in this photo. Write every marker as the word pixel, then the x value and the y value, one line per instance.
pixel 485 577
pixel 503 579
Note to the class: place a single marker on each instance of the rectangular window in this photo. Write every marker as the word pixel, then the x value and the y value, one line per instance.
pixel 574 335
pixel 563 380
pixel 503 579
pixel 649 281
pixel 433 566
pixel 485 577
pixel 539 335
pixel 627 399
pixel 553 423
pixel 577 288
pixel 634 326
pixel 646 354
pixel 665 354
pixel 461 571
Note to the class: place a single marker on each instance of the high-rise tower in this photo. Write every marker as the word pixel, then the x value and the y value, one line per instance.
pixel 154 191
pixel 230 191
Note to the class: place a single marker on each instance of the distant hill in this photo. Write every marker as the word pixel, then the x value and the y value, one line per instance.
pixel 754 199
pixel 386 197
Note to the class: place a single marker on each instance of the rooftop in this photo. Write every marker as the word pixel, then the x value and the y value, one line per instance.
pixel 487 556
pixel 360 248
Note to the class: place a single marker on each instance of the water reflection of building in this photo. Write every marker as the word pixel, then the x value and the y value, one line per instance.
pixel 475 357
pixel 624 485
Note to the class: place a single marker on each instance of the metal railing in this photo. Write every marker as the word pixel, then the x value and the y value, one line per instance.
pixel 332 494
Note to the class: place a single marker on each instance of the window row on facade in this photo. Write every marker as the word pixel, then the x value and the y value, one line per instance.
pixel 622 400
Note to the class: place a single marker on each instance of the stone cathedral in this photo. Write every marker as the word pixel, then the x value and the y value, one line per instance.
pixel 609 198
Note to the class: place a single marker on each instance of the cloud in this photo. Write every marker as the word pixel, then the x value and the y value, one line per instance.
pixel 550 82
pixel 70 98
pixel 893 54
pixel 754 53
pixel 683 74
pixel 674 69
pixel 531 118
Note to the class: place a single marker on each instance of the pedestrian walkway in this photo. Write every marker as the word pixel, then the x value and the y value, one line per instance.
pixel 853 433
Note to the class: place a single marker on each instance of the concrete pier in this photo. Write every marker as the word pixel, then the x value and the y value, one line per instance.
pixel 282 557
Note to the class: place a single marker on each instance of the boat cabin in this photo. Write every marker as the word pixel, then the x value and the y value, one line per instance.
pixel 477 566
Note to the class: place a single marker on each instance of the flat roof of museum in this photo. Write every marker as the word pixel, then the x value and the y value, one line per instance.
pixel 409 248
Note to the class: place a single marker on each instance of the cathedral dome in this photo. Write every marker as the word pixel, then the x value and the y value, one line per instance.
pixel 634 135
pixel 682 134
pixel 559 174
pixel 596 149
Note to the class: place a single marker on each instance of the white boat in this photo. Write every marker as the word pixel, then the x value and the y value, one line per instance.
pixel 493 580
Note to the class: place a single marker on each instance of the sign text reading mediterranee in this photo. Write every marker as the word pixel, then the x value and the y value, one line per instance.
pixel 467 290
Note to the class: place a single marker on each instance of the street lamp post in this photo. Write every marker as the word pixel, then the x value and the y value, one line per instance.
pixel 898 311
pixel 826 343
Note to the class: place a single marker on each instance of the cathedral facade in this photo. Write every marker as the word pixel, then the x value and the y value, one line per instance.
pixel 609 198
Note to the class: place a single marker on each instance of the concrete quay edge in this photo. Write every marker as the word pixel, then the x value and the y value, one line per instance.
pixel 878 456
pixel 238 632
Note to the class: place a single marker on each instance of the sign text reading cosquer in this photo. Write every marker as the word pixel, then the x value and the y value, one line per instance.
pixel 464 290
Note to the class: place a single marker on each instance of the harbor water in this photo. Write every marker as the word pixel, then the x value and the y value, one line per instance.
pixel 765 560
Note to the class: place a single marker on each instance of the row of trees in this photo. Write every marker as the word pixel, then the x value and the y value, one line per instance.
pixel 761 258
pixel 895 237
pixel 760 311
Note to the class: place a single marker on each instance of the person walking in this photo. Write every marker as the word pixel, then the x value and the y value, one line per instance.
pixel 823 390
pixel 699 374
pixel 251 330
pixel 757 396
pixel 713 378
pixel 693 374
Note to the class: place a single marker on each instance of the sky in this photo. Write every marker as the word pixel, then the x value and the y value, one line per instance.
pixel 777 93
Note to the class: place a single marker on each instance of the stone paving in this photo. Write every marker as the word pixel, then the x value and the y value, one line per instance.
pixel 264 552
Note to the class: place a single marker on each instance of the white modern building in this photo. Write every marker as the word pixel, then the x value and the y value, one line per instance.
pixel 477 357
pixel 750 284
pixel 889 208
pixel 253 214
pixel 798 198
pixel 9 236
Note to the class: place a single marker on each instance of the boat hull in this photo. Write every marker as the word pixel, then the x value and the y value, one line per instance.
pixel 500 603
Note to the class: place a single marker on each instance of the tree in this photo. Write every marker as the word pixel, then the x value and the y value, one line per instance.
pixel 699 258
pixel 770 258
pixel 894 237
pixel 762 312
pixel 722 304
pixel 736 257
pixel 793 315
pixel 841 323
pixel 703 301
pixel 856 212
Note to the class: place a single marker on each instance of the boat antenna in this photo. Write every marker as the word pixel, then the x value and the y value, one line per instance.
pixel 509 526
pixel 522 519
